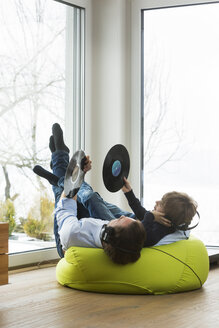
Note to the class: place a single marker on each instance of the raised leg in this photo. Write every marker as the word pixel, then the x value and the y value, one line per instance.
pixel 97 207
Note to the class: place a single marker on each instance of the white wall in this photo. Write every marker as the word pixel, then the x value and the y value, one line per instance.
pixel 108 123
pixel 108 96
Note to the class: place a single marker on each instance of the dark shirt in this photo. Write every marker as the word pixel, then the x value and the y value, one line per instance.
pixel 154 230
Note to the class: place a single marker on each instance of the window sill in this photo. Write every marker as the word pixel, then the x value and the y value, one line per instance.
pixel 32 258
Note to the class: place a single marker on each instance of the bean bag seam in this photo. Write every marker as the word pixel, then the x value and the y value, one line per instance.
pixel 185 264
pixel 112 282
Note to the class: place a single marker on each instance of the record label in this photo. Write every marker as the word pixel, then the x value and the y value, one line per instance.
pixel 116 168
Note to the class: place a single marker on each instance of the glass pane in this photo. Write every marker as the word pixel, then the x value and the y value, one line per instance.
pixel 32 94
pixel 181 78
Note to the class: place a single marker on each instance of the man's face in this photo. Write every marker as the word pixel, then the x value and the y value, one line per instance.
pixel 123 221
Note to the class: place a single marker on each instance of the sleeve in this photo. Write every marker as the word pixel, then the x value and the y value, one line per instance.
pixel 66 208
pixel 135 205
pixel 154 230
pixel 73 232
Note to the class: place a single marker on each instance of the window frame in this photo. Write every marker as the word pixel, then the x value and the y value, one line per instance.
pixel 75 116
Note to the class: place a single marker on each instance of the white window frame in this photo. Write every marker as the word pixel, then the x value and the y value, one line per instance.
pixel 74 113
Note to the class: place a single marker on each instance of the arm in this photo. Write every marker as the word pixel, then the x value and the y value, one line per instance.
pixel 160 218
pixel 156 227
pixel 134 202
pixel 73 232
pixel 66 208
pixel 157 216
pixel 155 231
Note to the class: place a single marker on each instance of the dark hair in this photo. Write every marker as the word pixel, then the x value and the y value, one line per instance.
pixel 179 207
pixel 125 242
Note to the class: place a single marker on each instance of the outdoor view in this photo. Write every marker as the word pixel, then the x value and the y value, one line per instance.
pixel 181 106
pixel 32 93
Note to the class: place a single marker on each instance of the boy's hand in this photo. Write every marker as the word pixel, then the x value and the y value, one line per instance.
pixel 87 164
pixel 159 217
pixel 126 187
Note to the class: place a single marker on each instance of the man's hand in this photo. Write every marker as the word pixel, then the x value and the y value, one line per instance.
pixel 87 164
pixel 64 196
pixel 159 217
pixel 126 187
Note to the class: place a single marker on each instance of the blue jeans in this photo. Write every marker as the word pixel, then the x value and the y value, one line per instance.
pixel 97 207
pixel 60 160
pixel 89 203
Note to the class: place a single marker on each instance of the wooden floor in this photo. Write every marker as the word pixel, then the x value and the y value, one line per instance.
pixel 35 299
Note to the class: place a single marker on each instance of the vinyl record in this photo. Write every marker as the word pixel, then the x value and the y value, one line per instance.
pixel 115 167
pixel 74 175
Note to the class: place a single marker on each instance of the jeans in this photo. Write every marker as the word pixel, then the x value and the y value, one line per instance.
pixel 97 207
pixel 89 203
pixel 60 161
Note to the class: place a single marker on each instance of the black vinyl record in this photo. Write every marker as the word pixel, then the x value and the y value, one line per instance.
pixel 115 167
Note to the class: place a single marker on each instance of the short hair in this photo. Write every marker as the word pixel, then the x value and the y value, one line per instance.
pixel 179 207
pixel 125 243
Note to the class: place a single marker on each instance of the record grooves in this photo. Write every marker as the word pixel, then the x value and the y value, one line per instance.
pixel 74 175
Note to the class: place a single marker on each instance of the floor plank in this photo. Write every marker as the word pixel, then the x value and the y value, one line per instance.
pixel 34 299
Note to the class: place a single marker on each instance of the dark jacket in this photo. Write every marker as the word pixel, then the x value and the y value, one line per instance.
pixel 154 230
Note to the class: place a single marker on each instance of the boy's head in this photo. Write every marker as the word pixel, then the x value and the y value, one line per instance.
pixel 123 240
pixel 178 207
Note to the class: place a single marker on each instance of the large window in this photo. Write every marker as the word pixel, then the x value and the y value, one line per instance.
pixel 41 69
pixel 180 115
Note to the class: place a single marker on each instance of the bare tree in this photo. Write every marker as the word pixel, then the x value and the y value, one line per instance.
pixel 32 85
pixel 163 136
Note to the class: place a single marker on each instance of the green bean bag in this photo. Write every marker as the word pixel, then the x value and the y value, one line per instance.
pixel 173 268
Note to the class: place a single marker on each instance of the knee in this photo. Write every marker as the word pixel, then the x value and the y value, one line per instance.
pixel 89 197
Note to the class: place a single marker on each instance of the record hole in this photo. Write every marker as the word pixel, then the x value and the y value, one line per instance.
pixel 116 168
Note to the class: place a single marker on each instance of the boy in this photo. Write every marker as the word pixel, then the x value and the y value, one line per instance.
pixel 168 222
pixel 178 209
